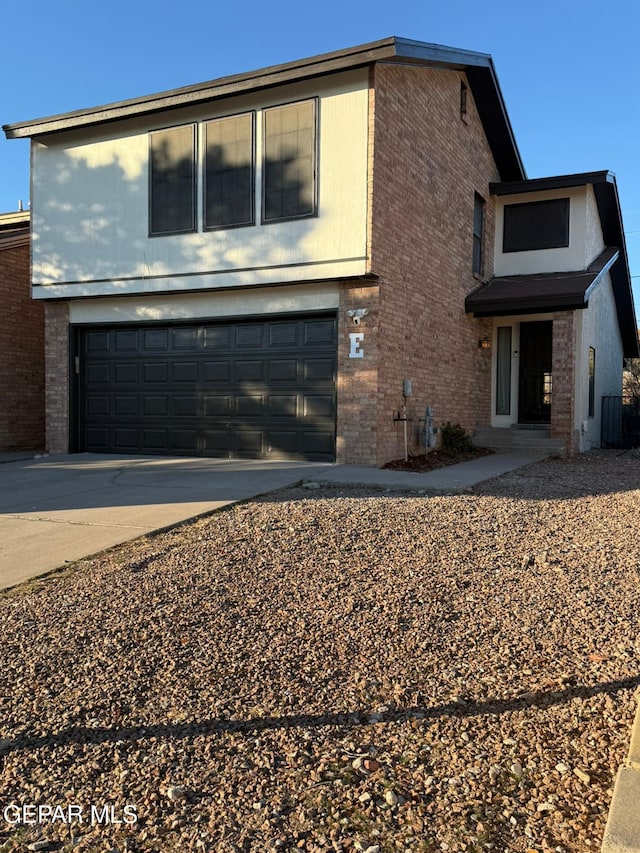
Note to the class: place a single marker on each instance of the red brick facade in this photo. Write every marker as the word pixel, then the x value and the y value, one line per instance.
pixel 57 376
pixel 428 162
pixel 21 352
pixel 564 381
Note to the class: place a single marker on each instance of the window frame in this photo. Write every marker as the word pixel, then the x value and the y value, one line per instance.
pixel 477 261
pixel 205 124
pixel 517 243
pixel 314 154
pixel 194 180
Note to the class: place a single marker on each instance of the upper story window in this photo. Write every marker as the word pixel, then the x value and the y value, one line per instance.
pixel 478 234
pixel 289 162
pixel 229 172
pixel 536 225
pixel 172 186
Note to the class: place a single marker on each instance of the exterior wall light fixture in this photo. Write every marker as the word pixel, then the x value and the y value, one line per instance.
pixel 484 343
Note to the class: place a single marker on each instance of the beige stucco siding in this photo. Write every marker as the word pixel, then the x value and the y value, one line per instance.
pixel 597 327
pixel 90 203
pixel 186 306
pixel 585 236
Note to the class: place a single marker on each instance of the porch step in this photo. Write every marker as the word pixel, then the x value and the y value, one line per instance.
pixel 506 440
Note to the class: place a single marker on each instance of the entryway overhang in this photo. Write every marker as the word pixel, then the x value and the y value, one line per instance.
pixel 539 292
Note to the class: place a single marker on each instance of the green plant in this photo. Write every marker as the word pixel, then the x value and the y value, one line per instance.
pixel 455 438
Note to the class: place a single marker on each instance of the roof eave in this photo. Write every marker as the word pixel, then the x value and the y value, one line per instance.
pixel 478 66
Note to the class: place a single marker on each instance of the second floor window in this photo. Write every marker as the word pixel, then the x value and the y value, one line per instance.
pixel 478 234
pixel 172 185
pixel 228 172
pixel 289 162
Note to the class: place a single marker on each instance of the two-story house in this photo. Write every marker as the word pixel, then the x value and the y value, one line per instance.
pixel 253 266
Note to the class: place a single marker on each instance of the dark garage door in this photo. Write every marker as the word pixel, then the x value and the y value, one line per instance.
pixel 259 389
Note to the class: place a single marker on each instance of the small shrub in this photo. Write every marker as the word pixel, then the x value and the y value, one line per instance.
pixel 455 439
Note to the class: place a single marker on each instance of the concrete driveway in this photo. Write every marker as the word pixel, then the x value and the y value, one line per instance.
pixel 58 509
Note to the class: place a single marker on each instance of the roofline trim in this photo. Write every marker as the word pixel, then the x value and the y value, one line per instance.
pixel 556 182
pixel 391 48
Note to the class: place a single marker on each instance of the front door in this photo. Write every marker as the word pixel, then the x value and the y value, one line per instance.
pixel 534 395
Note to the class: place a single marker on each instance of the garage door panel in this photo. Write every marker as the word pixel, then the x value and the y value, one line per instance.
pixel 234 388
pixel 249 405
pixel 156 404
pixel 283 405
pixel 125 405
pixel 318 406
pixel 125 374
pixel 216 371
pixel 318 369
pixel 184 371
pixel 154 440
pixel 317 332
pixel 185 406
pixel 125 341
pixel 184 440
pixel 249 335
pixel 97 342
pixel 97 406
pixel 125 438
pixel 217 405
pixel 249 371
pixel 248 442
pixel 185 339
pixel 155 339
pixel 155 372
pixel 284 334
pixel 283 370
pixel 98 374
pixel 98 439
pixel 217 338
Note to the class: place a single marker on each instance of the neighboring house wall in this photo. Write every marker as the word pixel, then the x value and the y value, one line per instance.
pixel 21 354
pixel 597 327
pixel 428 164
pixel 90 202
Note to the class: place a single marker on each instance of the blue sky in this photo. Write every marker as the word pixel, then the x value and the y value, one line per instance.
pixel 568 69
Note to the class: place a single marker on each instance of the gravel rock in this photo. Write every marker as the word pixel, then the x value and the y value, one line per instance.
pixel 317 641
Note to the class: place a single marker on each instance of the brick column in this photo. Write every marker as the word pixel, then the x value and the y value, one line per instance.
pixel 563 402
pixel 357 391
pixel 57 376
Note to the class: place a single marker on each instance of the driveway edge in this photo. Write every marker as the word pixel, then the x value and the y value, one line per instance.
pixel 622 832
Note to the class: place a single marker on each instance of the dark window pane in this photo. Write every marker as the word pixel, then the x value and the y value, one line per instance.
pixel 592 382
pixel 503 371
pixel 536 225
pixel 229 172
pixel 289 161
pixel 478 232
pixel 172 187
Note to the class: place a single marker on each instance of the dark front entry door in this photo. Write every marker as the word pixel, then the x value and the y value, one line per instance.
pixel 534 397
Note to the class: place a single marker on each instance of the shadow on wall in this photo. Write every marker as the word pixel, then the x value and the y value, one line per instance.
pixel 94 219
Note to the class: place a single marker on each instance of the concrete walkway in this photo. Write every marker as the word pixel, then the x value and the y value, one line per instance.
pixel 58 509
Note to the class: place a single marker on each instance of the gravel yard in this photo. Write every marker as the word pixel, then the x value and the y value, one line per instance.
pixel 336 669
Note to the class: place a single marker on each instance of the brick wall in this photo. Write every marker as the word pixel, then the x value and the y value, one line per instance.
pixel 57 376
pixel 357 381
pixel 21 355
pixel 428 163
pixel 564 381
